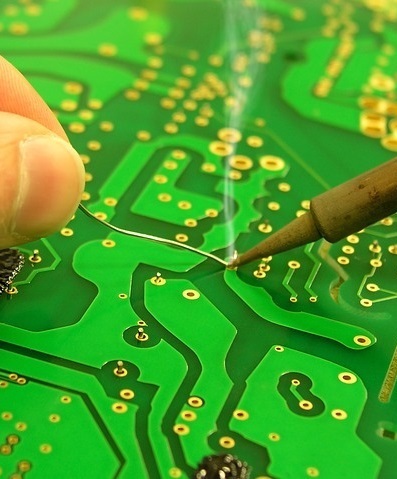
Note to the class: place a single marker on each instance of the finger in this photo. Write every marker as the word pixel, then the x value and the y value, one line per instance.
pixel 18 96
pixel 41 180
pixel 41 177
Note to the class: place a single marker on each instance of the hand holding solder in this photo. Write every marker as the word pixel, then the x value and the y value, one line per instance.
pixel 41 175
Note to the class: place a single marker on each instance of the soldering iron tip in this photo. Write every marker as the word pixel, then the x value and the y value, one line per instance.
pixel 234 262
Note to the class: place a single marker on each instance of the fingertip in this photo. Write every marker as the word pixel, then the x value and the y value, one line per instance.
pixel 50 188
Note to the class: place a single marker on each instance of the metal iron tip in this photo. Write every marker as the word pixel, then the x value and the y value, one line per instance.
pixel 234 261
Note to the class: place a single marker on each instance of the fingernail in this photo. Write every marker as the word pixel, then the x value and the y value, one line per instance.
pixel 51 183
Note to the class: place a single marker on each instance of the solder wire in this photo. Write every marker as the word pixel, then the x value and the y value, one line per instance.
pixel 157 239
pixel 235 31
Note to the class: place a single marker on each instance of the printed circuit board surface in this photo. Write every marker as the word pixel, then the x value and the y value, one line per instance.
pixel 210 123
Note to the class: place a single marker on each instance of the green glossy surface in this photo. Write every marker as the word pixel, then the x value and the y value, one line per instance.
pixel 153 84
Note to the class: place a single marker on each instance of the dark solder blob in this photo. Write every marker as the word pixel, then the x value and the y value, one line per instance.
pixel 222 466
pixel 11 262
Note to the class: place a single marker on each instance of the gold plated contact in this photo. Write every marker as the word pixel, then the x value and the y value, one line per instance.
pixel 306 405
pixel 181 429
pixel 191 294
pixel 120 371
pixel 195 401
pixel 127 394
pixel 189 415
pixel 272 163
pixel 339 414
pixel 240 162
pixel 119 408
pixel 362 340
pixel 227 442
pixel 347 378
pixel 240 414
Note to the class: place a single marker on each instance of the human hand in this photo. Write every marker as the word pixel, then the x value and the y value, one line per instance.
pixel 41 175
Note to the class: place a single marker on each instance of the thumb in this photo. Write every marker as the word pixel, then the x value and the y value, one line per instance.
pixel 41 180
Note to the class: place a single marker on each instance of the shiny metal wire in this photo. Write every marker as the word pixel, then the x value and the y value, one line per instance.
pixel 157 239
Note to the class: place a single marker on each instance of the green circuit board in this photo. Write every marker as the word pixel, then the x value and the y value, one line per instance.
pixel 211 123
